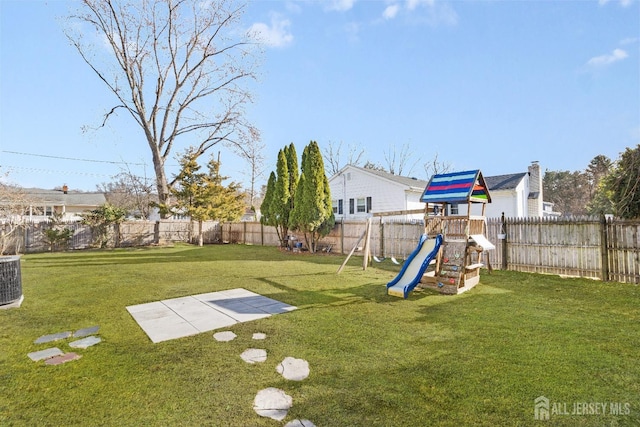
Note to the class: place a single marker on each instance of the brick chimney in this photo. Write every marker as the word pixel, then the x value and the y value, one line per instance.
pixel 65 189
pixel 534 201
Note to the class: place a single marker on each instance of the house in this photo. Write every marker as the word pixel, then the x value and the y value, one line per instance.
pixel 517 195
pixel 68 204
pixel 359 192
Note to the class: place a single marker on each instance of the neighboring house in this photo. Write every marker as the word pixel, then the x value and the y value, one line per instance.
pixel 517 195
pixel 359 192
pixel 68 204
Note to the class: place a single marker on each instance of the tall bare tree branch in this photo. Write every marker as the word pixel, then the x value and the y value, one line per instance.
pixel 180 68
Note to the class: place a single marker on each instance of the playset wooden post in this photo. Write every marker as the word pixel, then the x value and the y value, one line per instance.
pixel 458 264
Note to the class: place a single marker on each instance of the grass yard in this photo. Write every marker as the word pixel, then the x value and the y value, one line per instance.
pixel 477 359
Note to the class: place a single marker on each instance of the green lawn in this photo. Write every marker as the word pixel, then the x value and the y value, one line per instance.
pixel 480 358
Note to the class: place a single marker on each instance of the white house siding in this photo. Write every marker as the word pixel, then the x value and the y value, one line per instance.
pixel 385 195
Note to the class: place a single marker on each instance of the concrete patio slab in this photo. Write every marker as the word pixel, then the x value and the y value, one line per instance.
pixel 191 315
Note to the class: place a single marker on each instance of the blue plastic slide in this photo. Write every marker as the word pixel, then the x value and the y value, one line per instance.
pixel 415 266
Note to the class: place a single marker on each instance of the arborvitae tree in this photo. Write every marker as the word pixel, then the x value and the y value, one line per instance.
pixel 312 213
pixel 267 216
pixel 202 197
pixel 294 176
pixel 282 198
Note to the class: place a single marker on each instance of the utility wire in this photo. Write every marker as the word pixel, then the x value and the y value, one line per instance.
pixel 27 169
pixel 73 158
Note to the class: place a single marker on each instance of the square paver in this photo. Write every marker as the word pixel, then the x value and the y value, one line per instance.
pixel 64 358
pixel 53 337
pixel 85 342
pixel 85 332
pixel 45 354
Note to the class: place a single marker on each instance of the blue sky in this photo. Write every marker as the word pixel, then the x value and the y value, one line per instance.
pixel 489 85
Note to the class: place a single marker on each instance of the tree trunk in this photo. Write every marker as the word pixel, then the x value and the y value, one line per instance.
pixel 200 237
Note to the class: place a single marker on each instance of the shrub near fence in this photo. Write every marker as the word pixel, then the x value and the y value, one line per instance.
pixel 586 247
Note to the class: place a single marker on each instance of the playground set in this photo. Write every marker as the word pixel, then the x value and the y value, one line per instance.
pixel 452 244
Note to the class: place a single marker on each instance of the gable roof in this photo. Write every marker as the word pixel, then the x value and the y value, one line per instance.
pixel 403 180
pixel 457 187
pixel 59 198
pixel 505 182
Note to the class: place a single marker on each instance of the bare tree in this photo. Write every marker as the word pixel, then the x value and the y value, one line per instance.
pixel 14 203
pixel 130 192
pixel 333 161
pixel 178 67
pixel 397 161
pixel 254 157
pixel 435 166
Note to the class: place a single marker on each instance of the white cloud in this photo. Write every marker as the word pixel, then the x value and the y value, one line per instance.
pixel 339 5
pixel 434 14
pixel 607 59
pixel 391 11
pixel 275 35
pixel 412 4
pixel 629 40
pixel 623 3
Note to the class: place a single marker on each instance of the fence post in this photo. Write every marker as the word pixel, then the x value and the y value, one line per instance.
pixel 503 229
pixel 156 232
pixel 604 248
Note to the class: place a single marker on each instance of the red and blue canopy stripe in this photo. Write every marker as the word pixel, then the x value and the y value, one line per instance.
pixel 456 187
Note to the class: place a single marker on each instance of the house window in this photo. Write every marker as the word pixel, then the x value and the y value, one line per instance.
pixel 351 206
pixel 368 204
pixel 48 210
pixel 362 206
pixel 454 209
pixel 337 206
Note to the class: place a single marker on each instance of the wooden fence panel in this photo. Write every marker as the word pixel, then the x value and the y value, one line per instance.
pixel 586 247
pixel 556 246
pixel 623 252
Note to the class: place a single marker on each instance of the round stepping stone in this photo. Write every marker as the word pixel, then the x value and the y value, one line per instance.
pixel 259 336
pixel 293 369
pixel 272 403
pixel 254 355
pixel 224 336
pixel 300 423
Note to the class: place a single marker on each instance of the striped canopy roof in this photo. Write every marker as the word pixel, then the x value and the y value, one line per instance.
pixel 457 187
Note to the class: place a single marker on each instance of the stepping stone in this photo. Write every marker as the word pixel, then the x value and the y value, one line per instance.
pixel 300 423
pixel 45 354
pixel 53 337
pixel 272 403
pixel 58 360
pixel 224 336
pixel 259 336
pixel 86 331
pixel 254 355
pixel 293 369
pixel 85 342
